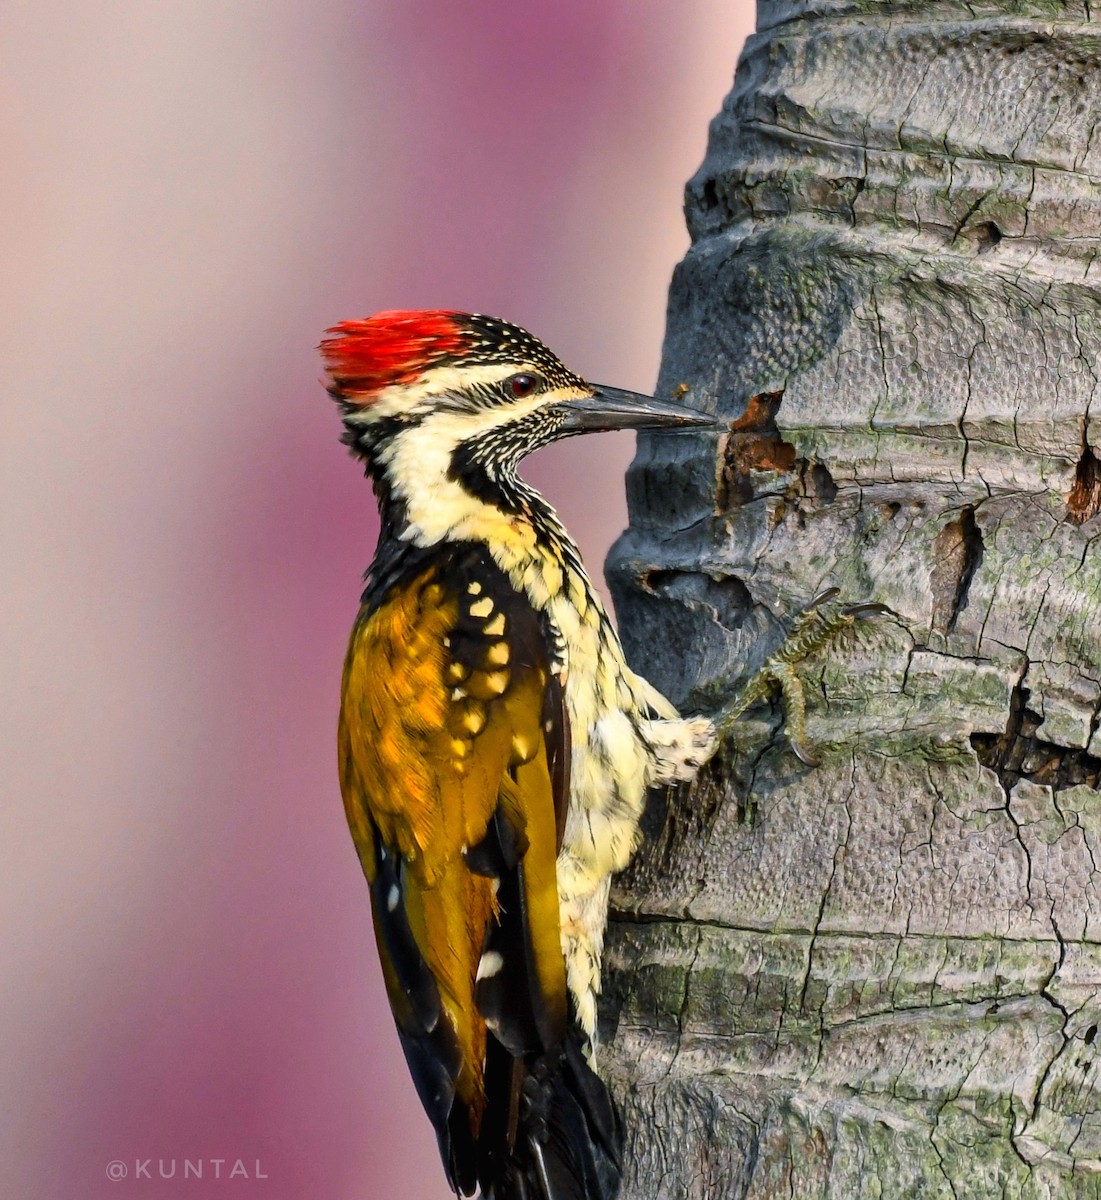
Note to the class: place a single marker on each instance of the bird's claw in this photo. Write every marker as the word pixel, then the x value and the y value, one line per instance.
pixel 802 752
pixel 817 623
pixel 869 609
pixel 823 597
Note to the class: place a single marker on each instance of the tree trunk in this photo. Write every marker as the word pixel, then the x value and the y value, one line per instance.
pixel 879 977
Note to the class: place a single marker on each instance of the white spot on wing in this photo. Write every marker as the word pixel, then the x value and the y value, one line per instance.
pixel 490 964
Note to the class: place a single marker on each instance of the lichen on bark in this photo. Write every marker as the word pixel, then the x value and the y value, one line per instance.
pixel 880 977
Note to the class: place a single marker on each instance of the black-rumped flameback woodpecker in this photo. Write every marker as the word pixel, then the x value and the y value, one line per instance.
pixel 495 747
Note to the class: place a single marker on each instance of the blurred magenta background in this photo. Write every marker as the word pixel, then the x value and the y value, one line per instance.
pixel 192 190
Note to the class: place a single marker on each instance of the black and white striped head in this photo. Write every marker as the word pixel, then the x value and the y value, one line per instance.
pixel 435 396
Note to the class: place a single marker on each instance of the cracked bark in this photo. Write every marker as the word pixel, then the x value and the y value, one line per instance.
pixel 880 977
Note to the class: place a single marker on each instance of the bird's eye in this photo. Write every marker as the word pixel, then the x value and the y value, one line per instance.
pixel 521 385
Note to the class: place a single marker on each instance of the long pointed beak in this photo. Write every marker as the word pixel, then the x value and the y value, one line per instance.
pixel 613 408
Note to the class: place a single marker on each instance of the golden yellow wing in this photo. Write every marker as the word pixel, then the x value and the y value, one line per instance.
pixel 454 771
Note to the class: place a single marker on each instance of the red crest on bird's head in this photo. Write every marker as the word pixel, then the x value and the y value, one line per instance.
pixel 364 357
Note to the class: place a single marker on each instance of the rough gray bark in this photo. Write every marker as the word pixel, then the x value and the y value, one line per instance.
pixel 881 977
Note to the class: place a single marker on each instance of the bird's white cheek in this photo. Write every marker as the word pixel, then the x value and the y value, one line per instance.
pixel 418 462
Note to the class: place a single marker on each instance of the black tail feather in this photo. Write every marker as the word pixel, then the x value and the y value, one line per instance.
pixel 567 1143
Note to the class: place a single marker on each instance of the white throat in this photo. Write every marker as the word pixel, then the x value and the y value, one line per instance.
pixel 417 462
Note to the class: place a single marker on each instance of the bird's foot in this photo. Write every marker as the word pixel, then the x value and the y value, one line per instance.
pixel 817 624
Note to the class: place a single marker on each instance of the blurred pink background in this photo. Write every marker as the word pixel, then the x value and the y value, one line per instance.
pixel 192 191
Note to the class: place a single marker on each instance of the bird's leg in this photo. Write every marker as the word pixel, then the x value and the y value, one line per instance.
pixel 815 626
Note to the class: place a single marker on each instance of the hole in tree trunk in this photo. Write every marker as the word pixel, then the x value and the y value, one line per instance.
pixel 1084 500
pixel 709 196
pixel 818 483
pixel 1018 754
pixel 957 553
pixel 729 599
pixel 986 235
pixel 753 444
